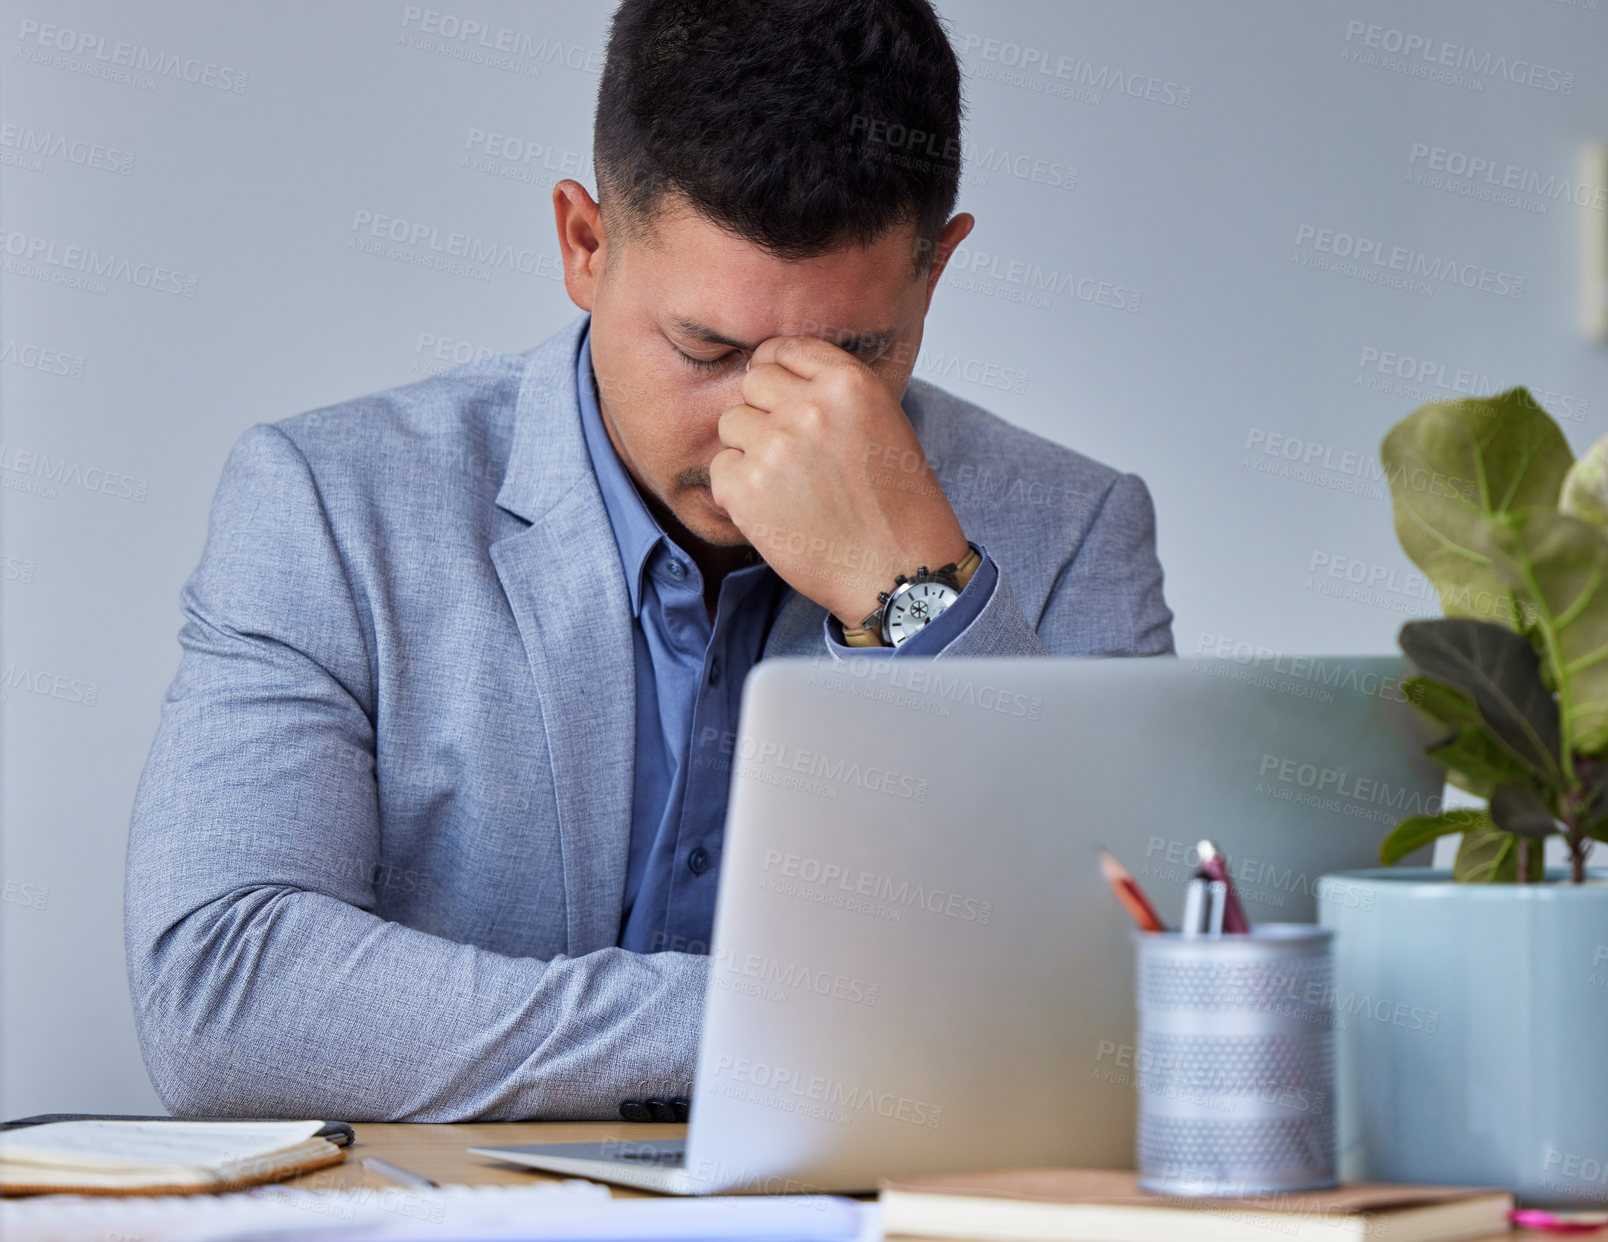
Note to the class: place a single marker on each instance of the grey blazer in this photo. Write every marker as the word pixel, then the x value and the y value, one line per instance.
pixel 377 852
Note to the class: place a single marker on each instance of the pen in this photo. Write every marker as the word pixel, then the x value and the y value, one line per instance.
pixel 1130 894
pixel 397 1174
pixel 1215 867
pixel 1194 920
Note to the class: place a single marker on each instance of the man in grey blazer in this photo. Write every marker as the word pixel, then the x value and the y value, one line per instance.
pixel 430 828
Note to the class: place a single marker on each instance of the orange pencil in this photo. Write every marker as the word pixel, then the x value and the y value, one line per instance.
pixel 1130 894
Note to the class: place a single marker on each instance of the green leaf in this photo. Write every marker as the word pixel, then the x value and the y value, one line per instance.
pixel 1487 856
pixel 1519 809
pixel 1585 487
pixel 1500 672
pixel 1451 706
pixel 1559 566
pixel 1417 831
pixel 1452 466
pixel 1475 762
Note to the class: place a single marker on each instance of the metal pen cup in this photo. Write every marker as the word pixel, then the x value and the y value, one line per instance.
pixel 1235 1061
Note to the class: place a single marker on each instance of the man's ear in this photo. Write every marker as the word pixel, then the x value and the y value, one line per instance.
pixel 954 233
pixel 580 240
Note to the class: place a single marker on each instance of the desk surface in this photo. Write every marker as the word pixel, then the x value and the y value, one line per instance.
pixel 439 1152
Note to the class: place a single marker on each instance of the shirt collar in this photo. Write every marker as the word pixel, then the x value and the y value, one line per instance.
pixel 636 531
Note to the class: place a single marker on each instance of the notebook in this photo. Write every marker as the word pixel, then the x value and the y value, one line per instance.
pixel 569 1211
pixel 1084 1205
pixel 158 1157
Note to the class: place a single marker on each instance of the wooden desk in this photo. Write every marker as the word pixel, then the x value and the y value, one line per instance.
pixel 438 1152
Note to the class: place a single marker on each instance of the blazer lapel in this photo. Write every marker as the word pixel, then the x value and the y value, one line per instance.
pixel 566 587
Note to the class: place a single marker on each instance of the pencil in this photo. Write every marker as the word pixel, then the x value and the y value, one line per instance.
pixel 1129 893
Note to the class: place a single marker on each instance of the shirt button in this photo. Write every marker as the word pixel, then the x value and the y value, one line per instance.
pixel 714 671
pixel 676 570
pixel 698 861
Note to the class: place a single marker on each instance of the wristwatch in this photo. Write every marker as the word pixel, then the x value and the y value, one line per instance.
pixel 914 601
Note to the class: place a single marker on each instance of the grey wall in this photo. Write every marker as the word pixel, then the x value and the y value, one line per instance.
pixel 1176 173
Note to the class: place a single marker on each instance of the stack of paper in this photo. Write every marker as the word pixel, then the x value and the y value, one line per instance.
pixel 570 1211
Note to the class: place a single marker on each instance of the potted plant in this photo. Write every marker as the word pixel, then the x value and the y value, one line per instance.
pixel 1473 1004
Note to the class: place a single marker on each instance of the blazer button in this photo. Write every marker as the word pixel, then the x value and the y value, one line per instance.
pixel 661 1110
pixel 698 861
pixel 635 1110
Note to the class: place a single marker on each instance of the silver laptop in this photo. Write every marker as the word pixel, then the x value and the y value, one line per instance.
pixel 916 966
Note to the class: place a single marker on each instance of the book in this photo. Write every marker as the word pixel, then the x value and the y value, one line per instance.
pixel 158 1157
pixel 1103 1205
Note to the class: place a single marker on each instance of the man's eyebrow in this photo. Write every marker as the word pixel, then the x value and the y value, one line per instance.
pixel 854 342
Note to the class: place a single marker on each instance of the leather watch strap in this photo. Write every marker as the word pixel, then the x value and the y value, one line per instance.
pixel 967 566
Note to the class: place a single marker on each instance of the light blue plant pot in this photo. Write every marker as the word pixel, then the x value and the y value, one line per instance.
pixel 1473 1031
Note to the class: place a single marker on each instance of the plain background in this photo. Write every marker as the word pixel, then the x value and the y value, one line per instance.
pixel 1165 196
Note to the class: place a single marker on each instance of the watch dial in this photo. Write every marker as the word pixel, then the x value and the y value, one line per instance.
pixel 916 607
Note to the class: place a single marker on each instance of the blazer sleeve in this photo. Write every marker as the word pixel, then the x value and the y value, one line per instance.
pixel 1105 600
pixel 262 982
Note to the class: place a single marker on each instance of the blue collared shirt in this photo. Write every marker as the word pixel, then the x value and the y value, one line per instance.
pixel 689 679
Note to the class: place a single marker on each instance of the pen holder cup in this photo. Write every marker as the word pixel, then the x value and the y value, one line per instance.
pixel 1234 1062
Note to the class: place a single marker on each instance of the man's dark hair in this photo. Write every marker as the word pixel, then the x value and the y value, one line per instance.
pixel 802 126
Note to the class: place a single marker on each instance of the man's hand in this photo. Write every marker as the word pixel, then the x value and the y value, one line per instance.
pixel 824 475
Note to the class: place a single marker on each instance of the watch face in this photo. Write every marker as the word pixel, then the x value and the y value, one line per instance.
pixel 915 607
